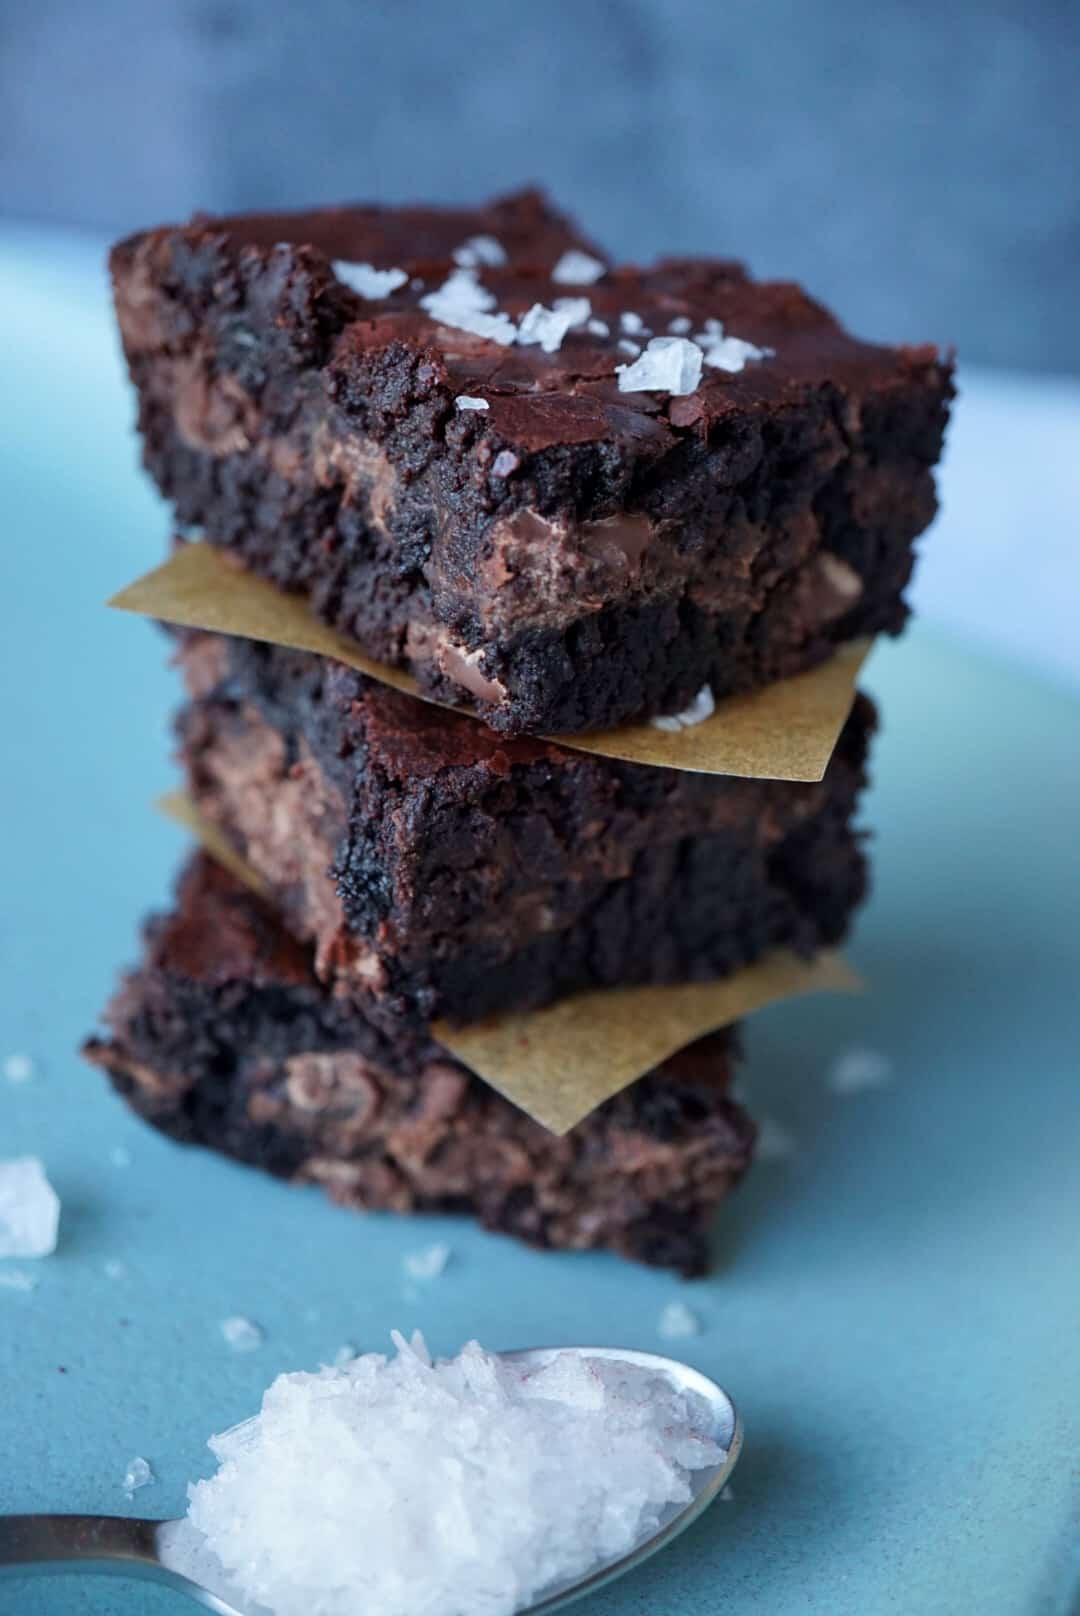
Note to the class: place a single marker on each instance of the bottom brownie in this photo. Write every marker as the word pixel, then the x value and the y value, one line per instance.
pixel 225 1037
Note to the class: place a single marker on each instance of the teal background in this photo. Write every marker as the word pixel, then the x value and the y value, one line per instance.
pixel 895 1308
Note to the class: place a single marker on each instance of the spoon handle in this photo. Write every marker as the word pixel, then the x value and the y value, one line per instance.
pixel 115 1545
pixel 52 1540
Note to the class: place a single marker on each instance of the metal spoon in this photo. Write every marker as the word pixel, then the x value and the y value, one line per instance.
pixel 168 1551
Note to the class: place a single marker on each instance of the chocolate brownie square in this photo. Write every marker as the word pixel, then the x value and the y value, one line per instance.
pixel 442 870
pixel 224 1036
pixel 563 493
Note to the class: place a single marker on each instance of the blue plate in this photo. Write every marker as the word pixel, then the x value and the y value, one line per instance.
pixel 895 1306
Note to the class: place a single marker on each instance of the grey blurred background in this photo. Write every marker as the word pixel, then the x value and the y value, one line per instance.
pixel 914 163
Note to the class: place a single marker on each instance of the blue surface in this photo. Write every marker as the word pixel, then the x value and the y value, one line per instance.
pixel 896 1308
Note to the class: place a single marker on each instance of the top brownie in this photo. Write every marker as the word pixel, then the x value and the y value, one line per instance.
pixel 562 493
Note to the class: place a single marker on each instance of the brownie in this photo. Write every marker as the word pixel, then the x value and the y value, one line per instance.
pixel 224 1036
pixel 442 870
pixel 532 533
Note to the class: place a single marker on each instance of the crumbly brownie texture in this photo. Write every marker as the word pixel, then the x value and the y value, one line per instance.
pixel 442 870
pixel 225 1037
pixel 568 555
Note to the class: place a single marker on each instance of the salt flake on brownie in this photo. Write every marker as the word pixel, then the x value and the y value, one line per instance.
pixel 367 281
pixel 577 268
pixel 548 327
pixel 480 250
pixel 702 707
pixel 463 304
pixel 668 365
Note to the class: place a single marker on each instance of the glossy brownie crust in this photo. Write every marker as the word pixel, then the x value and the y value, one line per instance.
pixel 440 870
pixel 224 1037
pixel 572 555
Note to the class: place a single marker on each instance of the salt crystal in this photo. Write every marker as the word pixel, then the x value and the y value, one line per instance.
pixel 465 401
pixel 114 1269
pixel 463 304
pixel 728 353
pixel 732 354
pixel 480 250
pixel 859 1070
pixel 632 323
pixel 577 268
pixel 367 281
pixel 668 365
pixel 19 1068
pixel 513 1481
pixel 16 1279
pixel 243 1335
pixel 702 707
pixel 138 1474
pixel 773 1142
pixel 626 345
pixel 680 325
pixel 505 462
pixel 548 327
pixel 597 328
pixel 120 1156
pixel 29 1209
pixel 428 1263
pixel 677 1320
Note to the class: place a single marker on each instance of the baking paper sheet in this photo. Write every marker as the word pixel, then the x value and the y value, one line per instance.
pixel 785 732
pixel 560 1063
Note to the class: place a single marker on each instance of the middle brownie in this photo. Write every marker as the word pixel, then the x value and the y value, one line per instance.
pixel 442 870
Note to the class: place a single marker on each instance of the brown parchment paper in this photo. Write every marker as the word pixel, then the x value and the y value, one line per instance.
pixel 560 1063
pixel 178 806
pixel 785 732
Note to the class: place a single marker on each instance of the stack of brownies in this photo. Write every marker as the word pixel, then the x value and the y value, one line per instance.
pixel 563 496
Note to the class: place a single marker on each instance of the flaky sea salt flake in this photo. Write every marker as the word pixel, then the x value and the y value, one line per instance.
pixel 733 353
pixel 702 707
pixel 479 250
pixel 676 1321
pixel 29 1209
pixel 728 353
pixel 631 323
pixel 548 327
pixel 680 325
pixel 577 268
pixel 668 365
pixel 138 1474
pixel 367 281
pixel 859 1070
pixel 597 328
pixel 19 1068
pixel 243 1335
pixel 627 345
pixel 16 1279
pixel 465 401
pixel 428 1263
pixel 464 305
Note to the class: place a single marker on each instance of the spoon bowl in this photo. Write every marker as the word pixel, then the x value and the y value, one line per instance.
pixel 174 1552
